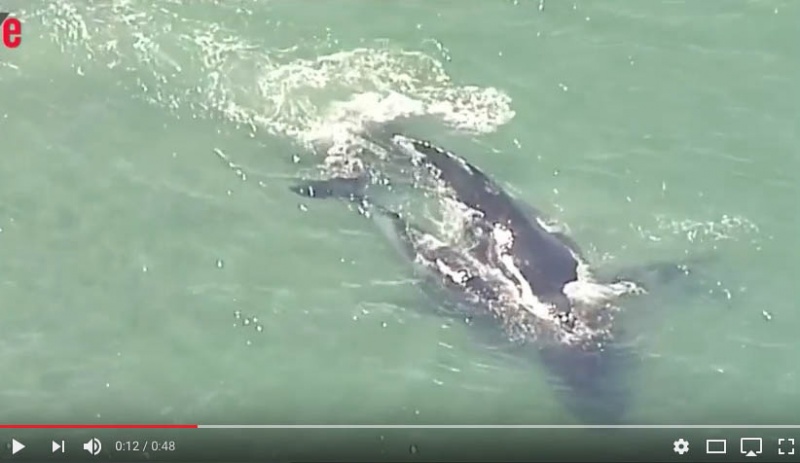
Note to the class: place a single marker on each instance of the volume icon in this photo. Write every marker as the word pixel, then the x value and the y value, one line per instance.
pixel 93 446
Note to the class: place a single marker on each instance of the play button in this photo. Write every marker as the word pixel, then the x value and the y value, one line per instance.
pixel 16 446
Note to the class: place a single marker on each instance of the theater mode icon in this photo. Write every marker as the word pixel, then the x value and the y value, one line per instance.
pixel 716 446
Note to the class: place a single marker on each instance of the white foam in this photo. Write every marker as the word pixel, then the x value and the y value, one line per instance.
pixel 458 276
pixel 503 239
pixel 456 217
pixel 297 92
pixel 333 96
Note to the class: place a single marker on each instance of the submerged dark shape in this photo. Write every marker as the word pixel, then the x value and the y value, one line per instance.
pixel 596 388
pixel 512 240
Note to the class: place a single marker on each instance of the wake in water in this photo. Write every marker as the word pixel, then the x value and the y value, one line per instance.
pixel 200 66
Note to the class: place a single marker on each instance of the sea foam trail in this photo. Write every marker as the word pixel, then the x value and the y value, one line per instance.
pixel 313 91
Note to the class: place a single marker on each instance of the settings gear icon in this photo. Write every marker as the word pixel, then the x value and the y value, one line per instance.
pixel 681 446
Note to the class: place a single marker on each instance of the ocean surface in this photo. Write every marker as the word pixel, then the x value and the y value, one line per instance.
pixel 154 265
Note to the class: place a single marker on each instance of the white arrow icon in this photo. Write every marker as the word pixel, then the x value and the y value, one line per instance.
pixel 58 446
pixel 16 446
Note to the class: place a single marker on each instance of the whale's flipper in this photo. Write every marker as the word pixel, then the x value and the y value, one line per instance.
pixel 654 273
pixel 352 188
pixel 685 275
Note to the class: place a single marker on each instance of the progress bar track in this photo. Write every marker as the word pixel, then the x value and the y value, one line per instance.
pixel 400 443
pixel 498 426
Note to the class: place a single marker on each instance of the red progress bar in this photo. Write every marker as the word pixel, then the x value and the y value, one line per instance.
pixel 98 426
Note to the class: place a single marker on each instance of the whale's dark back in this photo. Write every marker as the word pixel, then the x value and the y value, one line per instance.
pixel 543 258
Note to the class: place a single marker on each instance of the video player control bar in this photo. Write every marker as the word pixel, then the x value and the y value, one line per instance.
pixel 395 443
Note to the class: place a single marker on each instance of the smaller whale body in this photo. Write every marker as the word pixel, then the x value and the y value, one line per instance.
pixel 528 278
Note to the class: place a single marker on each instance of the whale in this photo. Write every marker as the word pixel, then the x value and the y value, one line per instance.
pixel 518 272
pixel 541 256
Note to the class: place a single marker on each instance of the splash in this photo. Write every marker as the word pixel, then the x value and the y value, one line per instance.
pixel 309 91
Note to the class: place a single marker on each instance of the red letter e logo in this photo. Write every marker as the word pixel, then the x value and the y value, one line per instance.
pixel 10 31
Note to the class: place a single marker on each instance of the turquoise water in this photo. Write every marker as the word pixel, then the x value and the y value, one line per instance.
pixel 143 278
